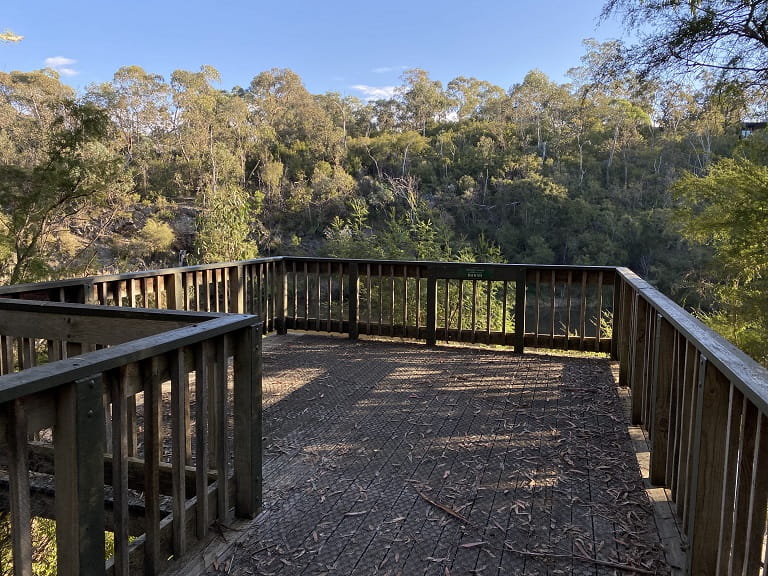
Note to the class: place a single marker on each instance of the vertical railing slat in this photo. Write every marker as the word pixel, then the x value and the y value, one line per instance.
pixel 354 301
pixel 727 506
pixel 79 473
pixel 638 356
pixel 179 403
pixel 446 310
pixel 599 317
pixel 583 310
pixel 758 497
pixel 568 289
pixel 709 461
pixel 219 429
pixel 460 318
pixel 537 310
pixel 662 398
pixel 552 309
pixel 203 353
pixel 520 305
pixel 153 450
pixel 431 328
pixel 488 295
pixel 18 475
pixel 116 381
pixel 690 411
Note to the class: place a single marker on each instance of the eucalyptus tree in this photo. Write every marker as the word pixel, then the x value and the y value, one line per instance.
pixel 468 97
pixel 138 103
pixel 539 110
pixel 213 133
pixel 728 37
pixel 424 100
pixel 60 183
pixel 726 210
pixel 303 124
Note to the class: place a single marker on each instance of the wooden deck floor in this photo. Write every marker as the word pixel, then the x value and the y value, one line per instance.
pixel 387 458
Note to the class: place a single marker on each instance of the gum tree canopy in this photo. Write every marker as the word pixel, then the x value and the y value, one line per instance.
pixel 726 35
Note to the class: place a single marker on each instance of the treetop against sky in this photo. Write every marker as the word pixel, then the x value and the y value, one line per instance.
pixel 354 48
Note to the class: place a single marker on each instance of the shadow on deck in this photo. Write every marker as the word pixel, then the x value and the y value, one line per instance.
pixel 384 458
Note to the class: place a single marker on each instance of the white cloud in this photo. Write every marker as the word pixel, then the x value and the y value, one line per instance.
pixel 388 69
pixel 62 65
pixel 375 92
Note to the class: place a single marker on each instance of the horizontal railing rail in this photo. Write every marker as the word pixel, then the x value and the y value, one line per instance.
pixel 702 401
pixel 101 389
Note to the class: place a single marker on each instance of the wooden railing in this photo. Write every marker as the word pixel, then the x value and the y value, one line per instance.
pixel 79 379
pixel 702 401
pixel 554 307
pixel 509 305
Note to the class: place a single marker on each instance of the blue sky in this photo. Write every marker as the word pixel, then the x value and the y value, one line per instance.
pixel 351 47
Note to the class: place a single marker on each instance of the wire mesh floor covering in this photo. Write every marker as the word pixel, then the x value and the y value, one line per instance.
pixel 389 458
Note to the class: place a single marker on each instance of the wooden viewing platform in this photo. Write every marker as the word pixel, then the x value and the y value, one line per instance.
pixel 388 458
pixel 137 399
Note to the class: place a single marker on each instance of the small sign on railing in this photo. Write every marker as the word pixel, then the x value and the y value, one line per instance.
pixel 478 273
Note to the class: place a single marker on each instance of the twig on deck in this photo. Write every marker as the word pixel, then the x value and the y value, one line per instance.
pixel 605 563
pixel 445 509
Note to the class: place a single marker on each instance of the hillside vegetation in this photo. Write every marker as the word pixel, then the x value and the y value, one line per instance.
pixel 608 169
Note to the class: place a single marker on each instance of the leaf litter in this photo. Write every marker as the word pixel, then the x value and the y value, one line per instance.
pixel 541 477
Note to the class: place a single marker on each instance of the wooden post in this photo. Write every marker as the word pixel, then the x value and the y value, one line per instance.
pixel 431 308
pixel 282 299
pixel 236 290
pixel 248 422
pixel 174 292
pixel 664 346
pixel 18 473
pixel 78 441
pixel 618 310
pixel 87 295
pixel 637 345
pixel 520 286
pixel 354 301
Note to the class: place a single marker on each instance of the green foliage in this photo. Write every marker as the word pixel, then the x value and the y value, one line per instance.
pixel 225 226
pixel 577 173
pixel 728 210
pixel 727 36
pixel 153 238
pixel 65 173
pixel 44 548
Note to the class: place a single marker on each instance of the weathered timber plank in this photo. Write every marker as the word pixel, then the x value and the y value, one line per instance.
pixel 248 422
pixel 662 401
pixel 18 471
pixel 78 441
pixel 709 465
pixel 152 455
